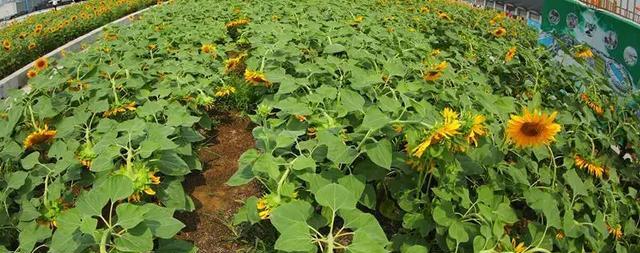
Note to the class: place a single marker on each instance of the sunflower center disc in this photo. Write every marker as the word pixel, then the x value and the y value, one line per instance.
pixel 531 129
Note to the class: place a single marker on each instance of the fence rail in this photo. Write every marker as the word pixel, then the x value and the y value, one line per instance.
pixel 629 9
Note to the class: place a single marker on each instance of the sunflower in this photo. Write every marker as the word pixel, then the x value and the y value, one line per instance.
pixel 477 129
pixel 256 77
pixel 497 18
pixel 358 19
pixel 560 235
pixel 499 32
pixel 38 28
pixel 446 130
pixel 424 9
pixel 592 168
pixel 435 72
pixel 6 44
pixel 519 247
pixel 616 232
pixel 39 136
pixel 591 104
pixel 510 54
pixel 23 35
pixel 300 118
pixel 208 48
pixel 32 46
pixel 584 52
pixel 152 47
pixel 234 64
pixel 225 91
pixel 532 129
pixel 236 23
pixel 120 109
pixel 266 204
pixel 41 63
pixel 435 52
pixel 444 16
pixel 32 73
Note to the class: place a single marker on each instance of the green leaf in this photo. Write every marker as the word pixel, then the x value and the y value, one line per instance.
pixel 354 184
pixel 247 213
pixel 175 246
pixel 170 163
pixel 161 222
pixel 91 202
pixel 30 161
pixel 117 187
pixel 351 100
pixel 457 232
pixel 334 48
pixel 395 67
pixel 505 213
pixel 138 239
pixel 30 234
pixel 290 219
pixel 16 179
pixel 157 139
pixel 545 203
pixel 374 119
pixel 336 197
pixel 244 174
pixel 575 182
pixel 130 215
pixel 304 162
pixel 75 241
pixel 380 153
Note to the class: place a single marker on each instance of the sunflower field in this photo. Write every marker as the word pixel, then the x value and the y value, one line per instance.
pixel 379 126
pixel 26 40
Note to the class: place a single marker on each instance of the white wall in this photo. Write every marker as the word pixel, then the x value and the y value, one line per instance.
pixel 8 9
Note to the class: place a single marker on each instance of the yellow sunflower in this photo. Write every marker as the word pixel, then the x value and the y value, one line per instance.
pixel 532 129
pixel 477 129
pixel 39 136
pixel 208 48
pixel 446 130
pixel 510 54
pixel 120 109
pixel 234 64
pixel 424 9
pixel 584 52
pixel 6 44
pixel 591 104
pixel 23 35
pixel 32 73
pixel 499 32
pixel 497 18
pixel 225 91
pixel 32 46
pixel 592 168
pixel 435 72
pixel 38 28
pixel 256 77
pixel 41 63
pixel 444 16
pixel 616 232
pixel 518 247
pixel 236 23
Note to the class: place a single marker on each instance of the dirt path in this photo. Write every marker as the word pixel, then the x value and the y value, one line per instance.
pixel 209 227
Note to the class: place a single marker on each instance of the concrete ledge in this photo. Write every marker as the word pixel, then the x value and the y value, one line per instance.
pixel 19 78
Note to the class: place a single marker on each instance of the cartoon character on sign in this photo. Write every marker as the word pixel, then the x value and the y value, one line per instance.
pixel 611 40
pixel 572 20
pixel 630 56
pixel 554 17
pixel 589 28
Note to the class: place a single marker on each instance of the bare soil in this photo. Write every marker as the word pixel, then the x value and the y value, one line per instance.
pixel 209 227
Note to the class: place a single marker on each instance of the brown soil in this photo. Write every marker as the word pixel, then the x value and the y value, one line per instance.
pixel 209 227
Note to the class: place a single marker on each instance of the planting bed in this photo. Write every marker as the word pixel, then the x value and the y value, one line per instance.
pixel 312 126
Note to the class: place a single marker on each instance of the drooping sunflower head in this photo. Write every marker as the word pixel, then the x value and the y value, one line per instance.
pixel 532 129
pixel 143 178
pixel 510 54
pixel 477 129
pixel 31 73
pixel 424 9
pixel 225 90
pixel 591 167
pixel 41 63
pixel 435 72
pixel 32 46
pixel 444 16
pixel 23 35
pixel 234 64
pixel 256 78
pixel 237 23
pixel 497 18
pixel 266 204
pixel 6 44
pixel 39 136
pixel 499 32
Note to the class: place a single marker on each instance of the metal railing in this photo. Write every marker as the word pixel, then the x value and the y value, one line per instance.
pixel 629 9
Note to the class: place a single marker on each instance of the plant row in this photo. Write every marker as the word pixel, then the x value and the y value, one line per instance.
pixel 26 40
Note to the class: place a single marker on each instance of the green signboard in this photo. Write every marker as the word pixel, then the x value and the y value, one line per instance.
pixel 615 41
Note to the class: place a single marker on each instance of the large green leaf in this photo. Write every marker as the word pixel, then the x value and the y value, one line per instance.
pixel 290 220
pixel 138 239
pixel 380 153
pixel 336 197
pixel 130 215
